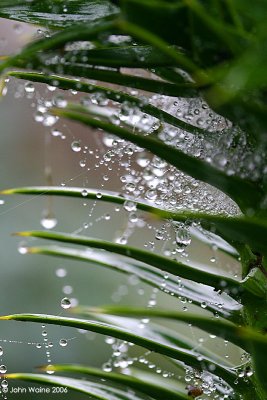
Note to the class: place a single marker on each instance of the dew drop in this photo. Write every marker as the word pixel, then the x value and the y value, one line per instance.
pixel 110 340
pixel 61 272
pixel 22 248
pixel 3 369
pixel 50 369
pixel 1 351
pixel 63 342
pixel 67 289
pixel 4 384
pixel 65 303
pixel 48 222
pixel 129 206
pixel 84 192
pixel 76 146
pixel 60 102
pixel 107 367
pixel 182 237
pixel 29 88
pixel 49 120
pixel 56 133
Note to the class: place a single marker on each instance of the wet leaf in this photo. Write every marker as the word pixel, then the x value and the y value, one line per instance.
pixel 58 15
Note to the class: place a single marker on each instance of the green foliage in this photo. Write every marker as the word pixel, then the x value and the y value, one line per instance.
pixel 215 50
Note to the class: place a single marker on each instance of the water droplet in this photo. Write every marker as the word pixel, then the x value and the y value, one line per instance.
pixel 107 367
pixel 49 120
pixel 63 342
pixel 61 272
pixel 3 369
pixel 65 303
pixel 56 133
pixel 110 340
pixel 151 194
pixel 29 88
pixel 4 383
pixel 182 237
pixel 50 369
pixel 2 202
pixel 84 192
pixel 60 102
pixel 48 222
pixel 76 146
pixel 123 363
pixel 22 248
pixel 129 206
pixel 1 351
pixel 99 98
pixel 67 289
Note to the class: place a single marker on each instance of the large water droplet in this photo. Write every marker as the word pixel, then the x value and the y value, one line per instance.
pixel 48 222
pixel 4 383
pixel 65 303
pixel 50 369
pixel 3 369
pixel 107 367
pixel 29 88
pixel 76 146
pixel 63 342
pixel 183 237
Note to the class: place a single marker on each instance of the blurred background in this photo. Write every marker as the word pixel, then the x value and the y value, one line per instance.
pixel 35 153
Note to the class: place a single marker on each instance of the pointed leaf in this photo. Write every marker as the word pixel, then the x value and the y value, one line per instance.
pixel 215 326
pixel 186 356
pixel 153 390
pixel 114 95
pixel 94 390
pixel 222 305
pixel 158 261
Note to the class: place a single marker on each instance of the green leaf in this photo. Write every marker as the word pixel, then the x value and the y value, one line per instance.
pixel 234 186
pixel 212 325
pixel 184 355
pixel 155 332
pixel 112 76
pixel 235 229
pixel 163 263
pixel 123 56
pixel 153 390
pixel 223 306
pixel 115 198
pixel 94 390
pixel 114 95
pixel 59 14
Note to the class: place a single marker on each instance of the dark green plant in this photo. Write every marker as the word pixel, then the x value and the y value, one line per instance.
pixel 214 50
